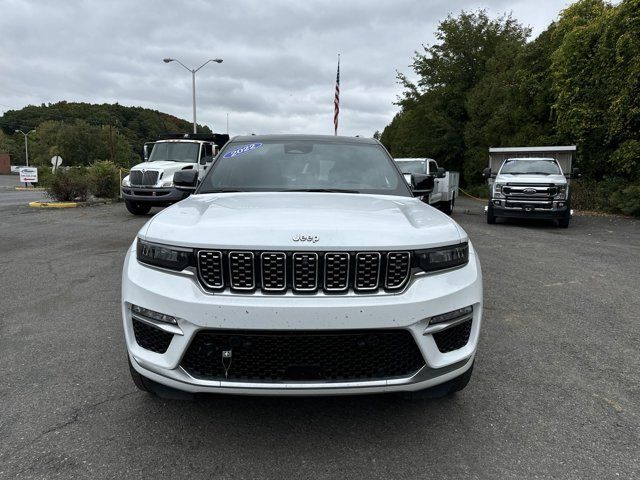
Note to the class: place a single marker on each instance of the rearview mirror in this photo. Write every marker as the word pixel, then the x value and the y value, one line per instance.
pixel 421 184
pixel 575 173
pixel 186 180
pixel 486 173
pixel 441 173
pixel 206 159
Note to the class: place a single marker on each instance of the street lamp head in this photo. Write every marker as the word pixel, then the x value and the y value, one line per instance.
pixel 217 60
pixel 167 60
pixel 33 131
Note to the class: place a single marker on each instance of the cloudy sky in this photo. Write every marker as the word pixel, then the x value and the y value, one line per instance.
pixel 279 57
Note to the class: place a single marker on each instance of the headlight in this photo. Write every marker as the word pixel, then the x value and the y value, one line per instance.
pixel 561 192
pixel 168 183
pixel 173 258
pixel 442 257
pixel 497 189
pixel 125 181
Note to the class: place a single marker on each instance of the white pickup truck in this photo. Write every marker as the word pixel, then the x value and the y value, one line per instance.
pixel 150 184
pixel 445 189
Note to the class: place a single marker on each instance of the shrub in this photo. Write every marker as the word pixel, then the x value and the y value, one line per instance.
pixel 44 176
pixel 69 185
pixel 627 200
pixel 105 179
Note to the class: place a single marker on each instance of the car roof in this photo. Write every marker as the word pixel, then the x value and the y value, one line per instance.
pixel 304 138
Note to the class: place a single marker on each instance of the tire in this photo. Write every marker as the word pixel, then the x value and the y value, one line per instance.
pixel 448 388
pixel 447 207
pixel 137 208
pixel 491 218
pixel 564 221
pixel 156 389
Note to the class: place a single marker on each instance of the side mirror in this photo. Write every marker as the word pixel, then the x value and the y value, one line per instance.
pixel 441 173
pixel 575 173
pixel 205 160
pixel 486 173
pixel 186 180
pixel 421 184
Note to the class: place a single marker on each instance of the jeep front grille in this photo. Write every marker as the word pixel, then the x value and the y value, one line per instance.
pixel 147 179
pixel 303 272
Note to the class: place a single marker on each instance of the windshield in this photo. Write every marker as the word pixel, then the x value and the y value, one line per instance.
pixel 175 152
pixel 417 166
pixel 304 165
pixel 516 166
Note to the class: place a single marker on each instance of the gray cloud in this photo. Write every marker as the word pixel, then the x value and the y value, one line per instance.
pixel 279 64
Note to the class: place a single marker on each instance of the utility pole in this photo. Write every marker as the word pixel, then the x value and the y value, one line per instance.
pixel 26 143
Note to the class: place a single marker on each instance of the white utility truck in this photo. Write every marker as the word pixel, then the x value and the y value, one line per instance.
pixel 150 184
pixel 530 182
pixel 445 188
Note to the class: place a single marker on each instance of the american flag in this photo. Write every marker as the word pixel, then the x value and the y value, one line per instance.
pixel 336 101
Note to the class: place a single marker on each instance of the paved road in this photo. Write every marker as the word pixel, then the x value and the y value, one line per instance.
pixel 555 393
pixel 9 196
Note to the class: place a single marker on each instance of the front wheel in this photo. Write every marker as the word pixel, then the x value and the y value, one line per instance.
pixel 137 208
pixel 566 218
pixel 447 207
pixel 491 218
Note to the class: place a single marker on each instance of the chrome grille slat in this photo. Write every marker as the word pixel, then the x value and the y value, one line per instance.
pixel 273 271
pixel 305 272
pixel 242 270
pixel 148 178
pixel 367 273
pixel 398 268
pixel 210 268
pixel 336 271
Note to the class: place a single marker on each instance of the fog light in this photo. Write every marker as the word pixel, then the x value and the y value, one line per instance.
pixel 455 314
pixel 560 204
pixel 161 317
pixel 496 202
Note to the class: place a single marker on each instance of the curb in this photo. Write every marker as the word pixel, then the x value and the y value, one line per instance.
pixel 53 204
pixel 32 189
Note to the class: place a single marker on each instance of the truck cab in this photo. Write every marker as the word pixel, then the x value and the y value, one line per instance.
pixel 150 184
pixel 445 184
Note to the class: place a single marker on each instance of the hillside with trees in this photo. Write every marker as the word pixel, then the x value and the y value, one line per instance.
pixel 83 133
pixel 485 83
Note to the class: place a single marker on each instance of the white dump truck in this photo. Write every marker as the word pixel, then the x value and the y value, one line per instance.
pixel 150 184
pixel 445 188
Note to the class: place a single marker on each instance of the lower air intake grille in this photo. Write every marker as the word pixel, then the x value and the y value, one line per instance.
pixel 151 338
pixel 453 338
pixel 303 356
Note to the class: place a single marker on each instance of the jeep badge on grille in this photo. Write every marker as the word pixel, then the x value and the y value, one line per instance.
pixel 299 237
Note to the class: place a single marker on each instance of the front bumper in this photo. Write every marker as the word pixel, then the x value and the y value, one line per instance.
pixel 180 295
pixel 557 210
pixel 160 196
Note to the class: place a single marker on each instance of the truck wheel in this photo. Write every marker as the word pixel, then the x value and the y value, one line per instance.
pixel 447 207
pixel 452 386
pixel 137 208
pixel 491 218
pixel 564 221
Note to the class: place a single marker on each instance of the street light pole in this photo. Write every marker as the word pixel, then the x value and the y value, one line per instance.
pixel 193 81
pixel 26 143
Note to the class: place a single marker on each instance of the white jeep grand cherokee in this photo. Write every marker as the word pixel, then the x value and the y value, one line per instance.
pixel 301 265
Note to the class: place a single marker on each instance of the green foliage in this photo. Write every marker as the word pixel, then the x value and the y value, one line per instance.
pixel 82 133
pixel 628 200
pixel 68 185
pixel 482 85
pixel 104 179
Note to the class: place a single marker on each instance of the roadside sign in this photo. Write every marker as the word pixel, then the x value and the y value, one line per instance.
pixel 56 161
pixel 29 174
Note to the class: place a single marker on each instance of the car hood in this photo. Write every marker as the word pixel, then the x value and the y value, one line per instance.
pixel 334 221
pixel 164 166
pixel 531 178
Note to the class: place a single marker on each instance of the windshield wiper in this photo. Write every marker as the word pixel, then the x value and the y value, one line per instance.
pixel 322 190
pixel 223 190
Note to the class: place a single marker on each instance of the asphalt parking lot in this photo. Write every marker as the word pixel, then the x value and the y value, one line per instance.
pixel 555 392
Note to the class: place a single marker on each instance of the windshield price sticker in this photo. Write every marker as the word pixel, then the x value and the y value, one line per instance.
pixel 242 150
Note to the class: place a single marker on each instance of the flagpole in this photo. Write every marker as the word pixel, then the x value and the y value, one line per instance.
pixel 336 100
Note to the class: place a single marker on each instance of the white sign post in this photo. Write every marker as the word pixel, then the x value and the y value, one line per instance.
pixel 29 175
pixel 56 162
